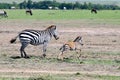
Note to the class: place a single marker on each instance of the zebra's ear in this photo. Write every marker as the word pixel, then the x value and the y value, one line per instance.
pixel 54 26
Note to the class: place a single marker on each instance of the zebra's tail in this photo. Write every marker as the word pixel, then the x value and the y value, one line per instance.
pixel 13 40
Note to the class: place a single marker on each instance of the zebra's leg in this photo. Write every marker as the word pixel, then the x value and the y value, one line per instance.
pixel 23 53
pixel 44 49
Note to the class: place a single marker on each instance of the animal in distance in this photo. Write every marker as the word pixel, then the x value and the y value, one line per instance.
pixel 94 10
pixel 29 11
pixel 3 13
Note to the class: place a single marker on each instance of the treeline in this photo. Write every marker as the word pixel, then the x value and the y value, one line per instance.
pixel 57 5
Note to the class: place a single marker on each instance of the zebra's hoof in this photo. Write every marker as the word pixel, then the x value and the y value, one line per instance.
pixel 44 55
pixel 26 57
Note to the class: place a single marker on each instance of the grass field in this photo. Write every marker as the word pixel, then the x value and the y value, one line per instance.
pixel 100 58
pixel 66 77
pixel 63 14
pixel 107 16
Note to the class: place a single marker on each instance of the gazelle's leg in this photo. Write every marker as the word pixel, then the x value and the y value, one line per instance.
pixel 63 48
pixel 78 51
pixel 60 56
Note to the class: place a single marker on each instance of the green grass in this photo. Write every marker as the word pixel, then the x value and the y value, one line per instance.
pixel 38 60
pixel 108 77
pixel 65 77
pixel 63 15
pixel 38 76
pixel 103 16
pixel 93 61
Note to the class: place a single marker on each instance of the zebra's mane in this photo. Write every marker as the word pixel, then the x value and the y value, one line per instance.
pixel 50 27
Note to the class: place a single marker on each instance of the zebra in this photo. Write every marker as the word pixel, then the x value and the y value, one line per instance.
pixel 72 46
pixel 35 37
pixel 3 13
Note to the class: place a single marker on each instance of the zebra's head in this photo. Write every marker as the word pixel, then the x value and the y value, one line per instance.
pixel 53 31
pixel 79 40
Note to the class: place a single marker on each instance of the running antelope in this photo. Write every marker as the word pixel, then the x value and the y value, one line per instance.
pixel 72 46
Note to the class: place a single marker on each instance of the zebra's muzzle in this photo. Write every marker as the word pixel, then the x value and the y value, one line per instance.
pixel 56 37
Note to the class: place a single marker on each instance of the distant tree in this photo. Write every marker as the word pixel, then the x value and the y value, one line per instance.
pixel 29 4
pixel 45 4
pixel 55 4
pixel 77 5
pixel 84 6
pixel 62 5
pixel 23 5
pixel 67 5
pixel 36 5
pixel 90 6
pixel 14 4
pixel 5 6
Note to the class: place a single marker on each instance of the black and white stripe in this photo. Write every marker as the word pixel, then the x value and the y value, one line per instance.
pixel 36 37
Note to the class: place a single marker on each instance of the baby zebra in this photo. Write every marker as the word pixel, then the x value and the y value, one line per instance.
pixel 36 37
pixel 71 45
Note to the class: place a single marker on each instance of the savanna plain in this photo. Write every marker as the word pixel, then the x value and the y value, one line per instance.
pixel 100 59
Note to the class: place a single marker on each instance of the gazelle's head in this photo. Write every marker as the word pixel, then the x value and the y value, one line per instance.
pixel 79 40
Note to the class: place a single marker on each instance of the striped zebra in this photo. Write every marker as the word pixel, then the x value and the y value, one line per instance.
pixel 72 46
pixel 35 37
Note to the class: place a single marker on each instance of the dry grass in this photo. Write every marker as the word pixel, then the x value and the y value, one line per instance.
pixel 99 53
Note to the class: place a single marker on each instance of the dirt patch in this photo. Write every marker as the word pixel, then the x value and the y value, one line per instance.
pixel 27 71
pixel 101 42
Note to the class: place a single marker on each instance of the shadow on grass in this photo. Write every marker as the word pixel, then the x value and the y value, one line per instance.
pixel 31 57
pixel 19 57
pixel 15 57
pixel 67 60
